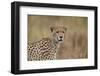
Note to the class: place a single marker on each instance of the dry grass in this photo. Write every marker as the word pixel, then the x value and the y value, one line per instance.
pixel 75 43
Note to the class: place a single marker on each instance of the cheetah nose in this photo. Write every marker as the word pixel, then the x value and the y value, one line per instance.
pixel 60 36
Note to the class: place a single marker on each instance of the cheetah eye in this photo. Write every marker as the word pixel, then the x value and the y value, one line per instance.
pixel 62 31
pixel 57 31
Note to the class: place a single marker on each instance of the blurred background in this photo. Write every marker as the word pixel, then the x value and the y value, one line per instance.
pixel 75 45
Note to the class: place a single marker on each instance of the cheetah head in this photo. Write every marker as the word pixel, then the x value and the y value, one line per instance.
pixel 58 32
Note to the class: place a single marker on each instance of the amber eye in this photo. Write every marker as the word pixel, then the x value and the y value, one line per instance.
pixel 62 31
pixel 57 31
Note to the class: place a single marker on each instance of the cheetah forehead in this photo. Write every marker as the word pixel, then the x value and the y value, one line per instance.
pixel 58 28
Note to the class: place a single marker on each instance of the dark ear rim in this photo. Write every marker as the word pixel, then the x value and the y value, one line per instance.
pixel 65 28
pixel 51 28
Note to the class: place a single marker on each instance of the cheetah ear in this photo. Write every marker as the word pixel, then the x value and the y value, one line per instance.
pixel 65 28
pixel 51 28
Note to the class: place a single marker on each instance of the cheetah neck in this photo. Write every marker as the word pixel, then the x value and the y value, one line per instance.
pixel 56 43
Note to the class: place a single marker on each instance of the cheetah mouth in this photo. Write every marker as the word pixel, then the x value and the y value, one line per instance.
pixel 60 40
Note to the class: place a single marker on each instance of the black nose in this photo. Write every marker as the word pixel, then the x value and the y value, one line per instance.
pixel 60 36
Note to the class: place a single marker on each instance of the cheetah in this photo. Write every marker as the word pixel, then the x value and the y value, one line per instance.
pixel 46 48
